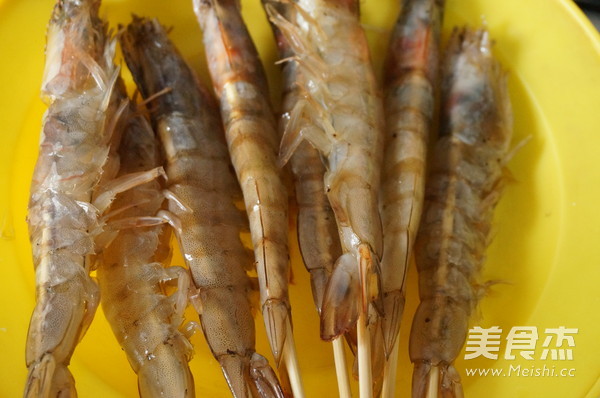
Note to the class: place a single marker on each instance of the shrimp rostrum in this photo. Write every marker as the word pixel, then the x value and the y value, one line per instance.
pixel 78 83
pixel 131 275
pixel 203 191
pixel 465 180
pixel 339 112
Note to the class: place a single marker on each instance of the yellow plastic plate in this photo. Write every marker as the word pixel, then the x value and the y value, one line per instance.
pixel 547 232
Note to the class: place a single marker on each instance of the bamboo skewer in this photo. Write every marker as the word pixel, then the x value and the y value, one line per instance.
pixel 341 370
pixel 391 368
pixel 365 380
pixel 434 381
pixel 291 363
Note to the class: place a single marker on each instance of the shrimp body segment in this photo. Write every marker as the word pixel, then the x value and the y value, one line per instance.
pixel 410 79
pixel 208 223
pixel 464 185
pixel 78 83
pixel 145 320
pixel 340 113
pixel 240 84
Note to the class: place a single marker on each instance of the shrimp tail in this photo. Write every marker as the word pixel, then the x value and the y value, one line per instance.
pixel 49 379
pixel 236 370
pixel 393 304
pixel 250 377
pixel 276 313
pixel 340 310
pixel 351 279
pixel 440 380
pixel 264 378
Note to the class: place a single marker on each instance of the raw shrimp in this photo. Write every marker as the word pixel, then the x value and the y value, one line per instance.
pixel 317 229
pixel 463 188
pixel 78 83
pixel 411 75
pixel 316 226
pixel 411 80
pixel 250 128
pixel 144 320
pixel 202 200
pixel 340 114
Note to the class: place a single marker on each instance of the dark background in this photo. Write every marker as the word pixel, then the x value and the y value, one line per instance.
pixel 592 10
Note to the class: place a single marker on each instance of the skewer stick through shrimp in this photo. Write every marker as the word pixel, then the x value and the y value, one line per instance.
pixel 465 180
pixel 317 230
pixel 410 79
pixel 340 114
pixel 250 128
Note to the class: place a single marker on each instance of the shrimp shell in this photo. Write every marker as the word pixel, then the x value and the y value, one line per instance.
pixel 209 227
pixel 464 186
pixel 339 113
pixel 78 83
pixel 411 79
pixel 131 272
pixel 240 83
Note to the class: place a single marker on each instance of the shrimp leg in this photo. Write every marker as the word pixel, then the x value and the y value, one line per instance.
pixel 130 274
pixel 199 172
pixel 410 78
pixel 240 83
pixel 78 83
pixel 463 188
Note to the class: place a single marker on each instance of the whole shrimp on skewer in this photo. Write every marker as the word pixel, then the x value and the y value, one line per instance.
pixel 410 79
pixel 250 128
pixel 316 226
pixel 78 83
pixel 131 273
pixel 317 230
pixel 209 224
pixel 339 113
pixel 463 188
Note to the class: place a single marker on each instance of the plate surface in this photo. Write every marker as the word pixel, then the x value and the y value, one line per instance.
pixel 546 246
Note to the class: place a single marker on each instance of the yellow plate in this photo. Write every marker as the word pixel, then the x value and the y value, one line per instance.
pixel 546 246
